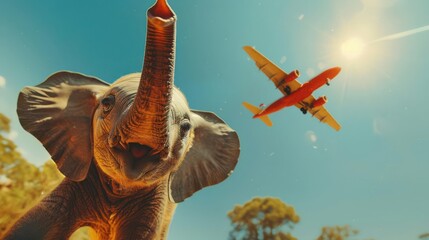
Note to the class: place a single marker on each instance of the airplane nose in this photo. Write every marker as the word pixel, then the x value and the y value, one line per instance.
pixel 334 72
pixel 337 70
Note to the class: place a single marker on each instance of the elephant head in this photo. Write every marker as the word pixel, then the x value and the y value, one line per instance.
pixel 138 130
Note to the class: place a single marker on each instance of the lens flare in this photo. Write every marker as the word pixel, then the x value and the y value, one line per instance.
pixel 352 48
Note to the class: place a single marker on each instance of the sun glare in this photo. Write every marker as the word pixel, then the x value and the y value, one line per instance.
pixel 352 48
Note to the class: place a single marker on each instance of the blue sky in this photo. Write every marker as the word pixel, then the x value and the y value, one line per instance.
pixel 373 174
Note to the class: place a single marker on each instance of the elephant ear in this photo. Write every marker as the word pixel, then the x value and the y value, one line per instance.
pixel 210 160
pixel 58 112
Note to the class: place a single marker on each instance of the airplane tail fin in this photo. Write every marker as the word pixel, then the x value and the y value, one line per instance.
pixel 256 110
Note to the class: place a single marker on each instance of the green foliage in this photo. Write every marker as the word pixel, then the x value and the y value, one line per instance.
pixel 4 123
pixel 337 233
pixel 263 218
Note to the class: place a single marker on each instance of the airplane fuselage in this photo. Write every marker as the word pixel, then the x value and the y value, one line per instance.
pixel 300 94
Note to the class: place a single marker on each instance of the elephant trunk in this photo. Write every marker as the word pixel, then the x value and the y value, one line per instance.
pixel 149 115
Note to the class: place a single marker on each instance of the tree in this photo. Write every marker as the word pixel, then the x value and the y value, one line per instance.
pixel 337 233
pixel 424 236
pixel 263 218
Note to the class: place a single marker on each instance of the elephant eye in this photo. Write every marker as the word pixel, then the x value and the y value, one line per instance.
pixel 108 103
pixel 185 126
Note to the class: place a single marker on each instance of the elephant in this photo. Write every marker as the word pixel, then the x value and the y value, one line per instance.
pixel 129 151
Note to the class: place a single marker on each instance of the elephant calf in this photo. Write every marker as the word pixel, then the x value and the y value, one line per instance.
pixel 129 150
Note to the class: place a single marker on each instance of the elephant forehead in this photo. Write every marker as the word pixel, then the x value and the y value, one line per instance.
pixel 126 87
pixel 179 102
pixel 127 84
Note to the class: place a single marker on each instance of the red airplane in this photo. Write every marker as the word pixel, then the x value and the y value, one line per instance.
pixel 296 94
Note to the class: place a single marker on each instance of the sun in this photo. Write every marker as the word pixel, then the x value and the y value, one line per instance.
pixel 352 48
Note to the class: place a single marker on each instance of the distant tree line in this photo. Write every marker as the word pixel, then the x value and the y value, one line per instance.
pixel 271 219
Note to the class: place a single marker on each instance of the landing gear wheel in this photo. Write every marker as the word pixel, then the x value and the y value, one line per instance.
pixel 303 110
pixel 287 90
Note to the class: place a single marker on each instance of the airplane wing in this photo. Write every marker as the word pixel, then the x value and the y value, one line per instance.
pixel 319 112
pixel 272 71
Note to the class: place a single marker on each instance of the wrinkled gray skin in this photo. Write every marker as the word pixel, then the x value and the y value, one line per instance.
pixel 129 150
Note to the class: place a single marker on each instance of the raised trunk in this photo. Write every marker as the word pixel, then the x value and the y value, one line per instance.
pixel 148 117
